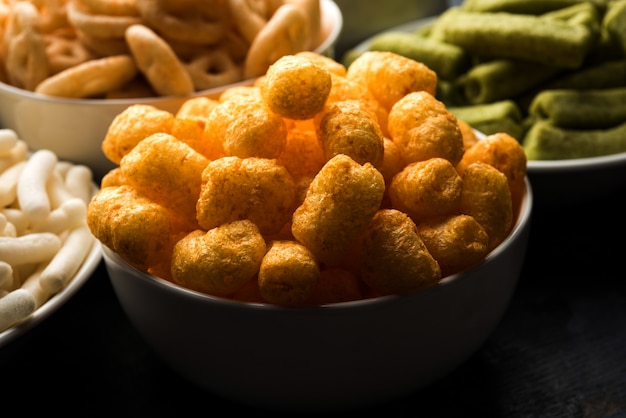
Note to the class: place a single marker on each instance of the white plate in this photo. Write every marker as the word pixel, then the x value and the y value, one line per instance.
pixel 556 183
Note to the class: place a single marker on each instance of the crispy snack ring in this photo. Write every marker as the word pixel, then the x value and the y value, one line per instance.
pixel 108 7
pixel 64 53
pixel 24 48
pixel 284 34
pixel 158 62
pixel 100 26
pixel 206 24
pixel 247 18
pixel 213 68
pixel 91 78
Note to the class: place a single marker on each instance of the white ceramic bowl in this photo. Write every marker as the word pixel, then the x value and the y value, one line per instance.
pixel 74 128
pixel 329 357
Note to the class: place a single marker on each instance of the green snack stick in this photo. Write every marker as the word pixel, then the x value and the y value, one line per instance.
pixel 544 141
pixel 505 35
pixel 532 7
pixel 588 109
pixel 606 74
pixel 448 61
pixel 502 79
pixel 614 22
pixel 490 118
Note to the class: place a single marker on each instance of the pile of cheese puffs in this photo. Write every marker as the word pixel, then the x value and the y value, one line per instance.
pixel 317 184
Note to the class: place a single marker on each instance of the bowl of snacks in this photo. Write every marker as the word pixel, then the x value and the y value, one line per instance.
pixel 47 251
pixel 551 75
pixel 329 250
pixel 69 70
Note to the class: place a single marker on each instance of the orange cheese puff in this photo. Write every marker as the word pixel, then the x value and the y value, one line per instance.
pixel 457 242
pixel 196 107
pixel 191 130
pixel 426 189
pixel 246 127
pixel 220 261
pixel 288 273
pixel 395 259
pixel 113 178
pixel 135 227
pixel 336 285
pixel 506 154
pixel 393 162
pixel 303 154
pixel 339 203
pixel 390 76
pixel 257 189
pixel 347 89
pixel 132 125
pixel 468 134
pixel 167 171
pixel 486 197
pixel 348 128
pixel 239 90
pixel 295 87
pixel 423 128
pixel 325 62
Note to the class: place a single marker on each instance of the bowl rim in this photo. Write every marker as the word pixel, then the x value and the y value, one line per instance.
pixel 576 164
pixel 523 219
pixel 327 7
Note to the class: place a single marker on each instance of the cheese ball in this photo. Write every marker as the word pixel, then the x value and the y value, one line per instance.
pixel 303 154
pixel 167 171
pixel 390 76
pixel 295 87
pixel 336 285
pixel 347 127
pixel 457 242
pixel 245 127
pixel 395 259
pixel 339 203
pixel 132 125
pixel 423 128
pixel 288 274
pixel 487 198
pixel 135 227
pixel 426 189
pixel 219 261
pixel 257 189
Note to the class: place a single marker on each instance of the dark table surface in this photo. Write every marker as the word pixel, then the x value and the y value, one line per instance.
pixel 559 350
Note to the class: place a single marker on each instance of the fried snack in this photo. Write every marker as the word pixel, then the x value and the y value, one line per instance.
pixel 133 124
pixel 295 87
pixel 335 285
pixel 192 131
pixel 552 42
pixel 257 189
pixel 395 259
pixel 288 274
pixel 457 242
pixel 168 171
pixel 325 62
pixel 135 227
pixel 426 189
pixel 213 67
pixel 219 261
pixel 65 52
pixel 197 107
pixel 489 118
pixel 347 127
pixel 113 178
pixel 158 62
pixel 390 76
pixel 340 201
pixel 393 161
pixel 504 153
pixel 423 128
pixel 303 154
pixel 245 127
pixel 97 25
pixel 92 78
pixel 468 133
pixel 487 198
pixel 285 33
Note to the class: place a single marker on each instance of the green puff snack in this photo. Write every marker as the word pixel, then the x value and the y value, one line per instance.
pixel 588 109
pixel 551 42
pixel 545 141
pixel 491 118
pixel 448 61
pixel 502 79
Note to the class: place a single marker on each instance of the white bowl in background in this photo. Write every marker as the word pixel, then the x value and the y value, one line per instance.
pixel 75 128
